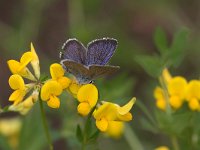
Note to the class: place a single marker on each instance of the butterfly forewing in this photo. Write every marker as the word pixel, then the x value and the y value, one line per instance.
pixel 100 51
pixel 74 50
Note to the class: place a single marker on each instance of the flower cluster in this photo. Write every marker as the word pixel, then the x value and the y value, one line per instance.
pixel 19 70
pixel 178 90
pixel 109 117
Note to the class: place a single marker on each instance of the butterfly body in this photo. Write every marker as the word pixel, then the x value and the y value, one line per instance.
pixel 87 64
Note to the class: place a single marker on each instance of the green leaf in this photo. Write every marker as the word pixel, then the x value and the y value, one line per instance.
pixel 79 133
pixel 178 47
pixel 94 137
pixel 152 64
pixel 160 40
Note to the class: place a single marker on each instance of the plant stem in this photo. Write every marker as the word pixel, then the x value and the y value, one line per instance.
pixel 175 143
pixel 132 139
pixel 44 122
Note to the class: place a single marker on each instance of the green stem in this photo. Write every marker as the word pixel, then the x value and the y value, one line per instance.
pixel 44 122
pixel 175 143
pixel 132 139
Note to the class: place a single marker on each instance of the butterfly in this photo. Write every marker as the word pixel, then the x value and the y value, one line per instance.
pixel 87 64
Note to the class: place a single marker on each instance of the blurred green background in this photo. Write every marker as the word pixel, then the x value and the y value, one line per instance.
pixel 49 23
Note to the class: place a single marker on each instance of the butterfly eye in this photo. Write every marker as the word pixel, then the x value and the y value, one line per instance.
pixel 91 82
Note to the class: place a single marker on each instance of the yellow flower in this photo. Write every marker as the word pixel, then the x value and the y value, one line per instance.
pixel 87 96
pixel 115 129
pixel 193 94
pixel 17 83
pixel 162 148
pixel 49 92
pixel 166 75
pixel 35 62
pixel 10 128
pixel 25 106
pixel 20 67
pixel 109 112
pixel 57 73
pixel 160 99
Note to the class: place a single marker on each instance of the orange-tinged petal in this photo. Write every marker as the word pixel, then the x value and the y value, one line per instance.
pixel 50 88
pixel 56 71
pixel 84 108
pixel 53 102
pixel 126 108
pixel 88 93
pixel 102 124
pixel 64 81
pixel 16 82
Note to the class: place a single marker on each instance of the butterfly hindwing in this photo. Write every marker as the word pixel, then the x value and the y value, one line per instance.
pixel 100 51
pixel 74 50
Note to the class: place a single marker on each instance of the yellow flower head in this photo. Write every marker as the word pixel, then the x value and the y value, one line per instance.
pixel 87 96
pixel 109 112
pixel 193 94
pixel 57 73
pixel 17 83
pixel 49 92
pixel 162 148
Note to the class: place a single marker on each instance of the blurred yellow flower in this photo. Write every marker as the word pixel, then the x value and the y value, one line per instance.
pixel 49 92
pixel 193 95
pixel 87 96
pixel 57 73
pixel 10 128
pixel 160 99
pixel 109 112
pixel 162 148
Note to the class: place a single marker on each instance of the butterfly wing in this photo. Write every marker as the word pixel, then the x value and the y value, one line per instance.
pixel 97 71
pixel 100 51
pixel 80 71
pixel 74 50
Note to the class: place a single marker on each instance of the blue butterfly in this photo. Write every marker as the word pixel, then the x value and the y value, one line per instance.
pixel 87 64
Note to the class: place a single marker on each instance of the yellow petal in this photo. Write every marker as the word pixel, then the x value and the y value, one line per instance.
pixel 28 102
pixel 102 124
pixel 35 62
pixel 34 54
pixel 161 104
pixel 50 88
pixel 126 108
pixel 13 66
pixel 64 81
pixel 175 102
pixel 115 129
pixel 17 96
pixel 25 59
pixel 16 82
pixel 84 108
pixel 107 110
pixel 166 75
pixel 194 104
pixel 88 93
pixel 177 86
pixel 53 102
pixel 126 117
pixel 158 93
pixel 193 89
pixel 56 71
pixel 162 148
pixel 73 88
